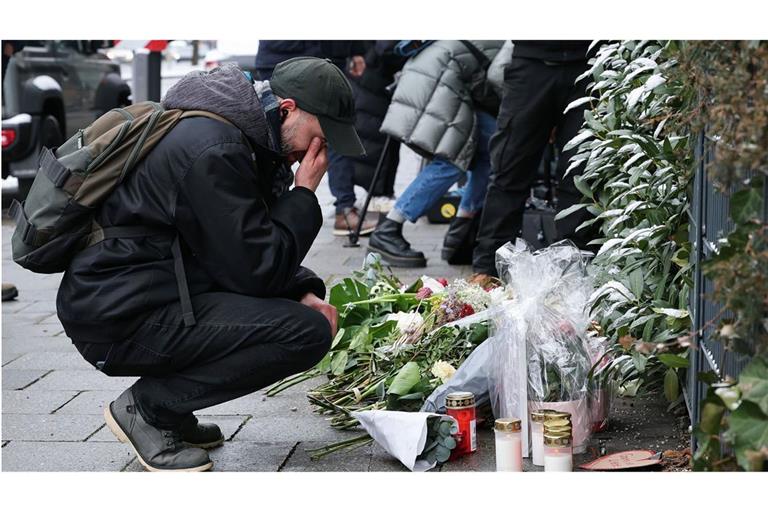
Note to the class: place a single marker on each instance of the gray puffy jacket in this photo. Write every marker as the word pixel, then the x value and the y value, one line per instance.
pixel 431 110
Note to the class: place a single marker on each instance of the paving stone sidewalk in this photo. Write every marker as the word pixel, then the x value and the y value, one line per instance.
pixel 52 399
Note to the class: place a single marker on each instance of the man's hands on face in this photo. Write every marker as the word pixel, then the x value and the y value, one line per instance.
pixel 313 301
pixel 313 165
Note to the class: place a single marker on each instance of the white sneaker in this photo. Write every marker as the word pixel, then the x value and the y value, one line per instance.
pixel 382 204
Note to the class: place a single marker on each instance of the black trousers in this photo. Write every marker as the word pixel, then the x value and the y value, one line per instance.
pixel 240 344
pixel 534 98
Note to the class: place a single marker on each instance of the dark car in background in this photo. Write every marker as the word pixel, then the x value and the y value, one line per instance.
pixel 51 89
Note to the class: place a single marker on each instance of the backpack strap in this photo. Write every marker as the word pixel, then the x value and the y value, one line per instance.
pixel 98 233
pixel 483 59
pixel 187 311
pixel 205 113
pixel 28 231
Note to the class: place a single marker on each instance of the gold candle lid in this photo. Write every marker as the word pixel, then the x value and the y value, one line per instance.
pixel 460 400
pixel 557 425
pixel 557 415
pixel 507 425
pixel 539 416
pixel 557 440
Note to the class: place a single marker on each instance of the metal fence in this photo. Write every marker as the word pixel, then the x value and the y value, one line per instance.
pixel 710 221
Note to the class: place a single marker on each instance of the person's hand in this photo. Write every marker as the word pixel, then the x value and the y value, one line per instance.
pixel 357 66
pixel 313 165
pixel 313 301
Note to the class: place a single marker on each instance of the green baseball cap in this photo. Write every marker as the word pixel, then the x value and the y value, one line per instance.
pixel 320 88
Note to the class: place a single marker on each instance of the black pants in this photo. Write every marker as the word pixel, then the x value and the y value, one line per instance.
pixel 239 345
pixel 534 98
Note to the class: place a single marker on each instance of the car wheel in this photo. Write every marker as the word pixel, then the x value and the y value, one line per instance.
pixel 50 133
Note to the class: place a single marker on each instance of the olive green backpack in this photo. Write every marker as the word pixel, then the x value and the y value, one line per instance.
pixel 56 220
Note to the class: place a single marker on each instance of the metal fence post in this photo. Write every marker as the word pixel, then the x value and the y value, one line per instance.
pixel 146 76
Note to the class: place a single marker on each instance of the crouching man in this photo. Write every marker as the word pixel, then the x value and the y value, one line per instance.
pixel 245 314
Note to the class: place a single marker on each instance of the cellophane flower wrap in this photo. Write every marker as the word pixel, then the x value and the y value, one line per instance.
pixel 541 353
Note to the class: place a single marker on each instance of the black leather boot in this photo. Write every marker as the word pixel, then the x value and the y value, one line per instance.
pixel 388 240
pixel 201 435
pixel 459 241
pixel 156 449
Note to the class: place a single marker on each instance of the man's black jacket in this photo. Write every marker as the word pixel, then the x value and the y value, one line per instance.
pixel 203 181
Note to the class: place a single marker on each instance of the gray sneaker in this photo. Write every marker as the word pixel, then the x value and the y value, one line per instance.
pixel 156 449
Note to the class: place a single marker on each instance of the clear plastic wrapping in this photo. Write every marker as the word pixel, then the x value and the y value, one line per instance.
pixel 542 355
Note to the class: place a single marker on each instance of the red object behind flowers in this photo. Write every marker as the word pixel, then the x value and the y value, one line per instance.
pixel 466 310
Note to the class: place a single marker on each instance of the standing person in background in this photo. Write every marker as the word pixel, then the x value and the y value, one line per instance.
pixel 436 112
pixel 539 84
pixel 347 56
pixel 372 99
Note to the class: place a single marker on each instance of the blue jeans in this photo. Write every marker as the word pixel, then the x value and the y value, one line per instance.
pixel 341 180
pixel 437 177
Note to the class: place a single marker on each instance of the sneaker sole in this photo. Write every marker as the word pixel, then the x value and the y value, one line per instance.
pixel 123 438
pixel 399 261
pixel 206 446
pixel 346 232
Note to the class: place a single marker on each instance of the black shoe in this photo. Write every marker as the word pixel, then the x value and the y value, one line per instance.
pixel 9 292
pixel 388 240
pixel 459 241
pixel 156 449
pixel 201 435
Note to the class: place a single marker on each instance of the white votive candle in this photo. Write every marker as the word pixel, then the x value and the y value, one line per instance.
pixel 509 445
pixel 558 453
pixel 558 462
pixel 537 435
pixel 537 443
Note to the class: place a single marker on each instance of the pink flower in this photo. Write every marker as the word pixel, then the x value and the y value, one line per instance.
pixel 423 293
pixel 443 281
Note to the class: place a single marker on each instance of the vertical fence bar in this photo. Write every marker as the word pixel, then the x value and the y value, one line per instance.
pixel 696 234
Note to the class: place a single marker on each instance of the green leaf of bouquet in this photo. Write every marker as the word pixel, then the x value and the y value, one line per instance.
pixel 415 286
pixel 442 453
pixel 339 362
pixel 337 339
pixel 408 376
pixel 361 341
pixel 349 290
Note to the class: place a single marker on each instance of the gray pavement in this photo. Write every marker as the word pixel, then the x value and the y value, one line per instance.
pixel 52 399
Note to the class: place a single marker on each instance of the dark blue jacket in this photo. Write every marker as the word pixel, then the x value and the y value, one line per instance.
pixel 271 53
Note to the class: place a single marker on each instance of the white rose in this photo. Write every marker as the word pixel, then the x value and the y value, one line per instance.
pixel 443 371
pixel 406 322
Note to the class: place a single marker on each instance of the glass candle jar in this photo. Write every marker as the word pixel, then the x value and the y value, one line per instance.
pixel 509 444
pixel 537 436
pixel 461 406
pixel 558 452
